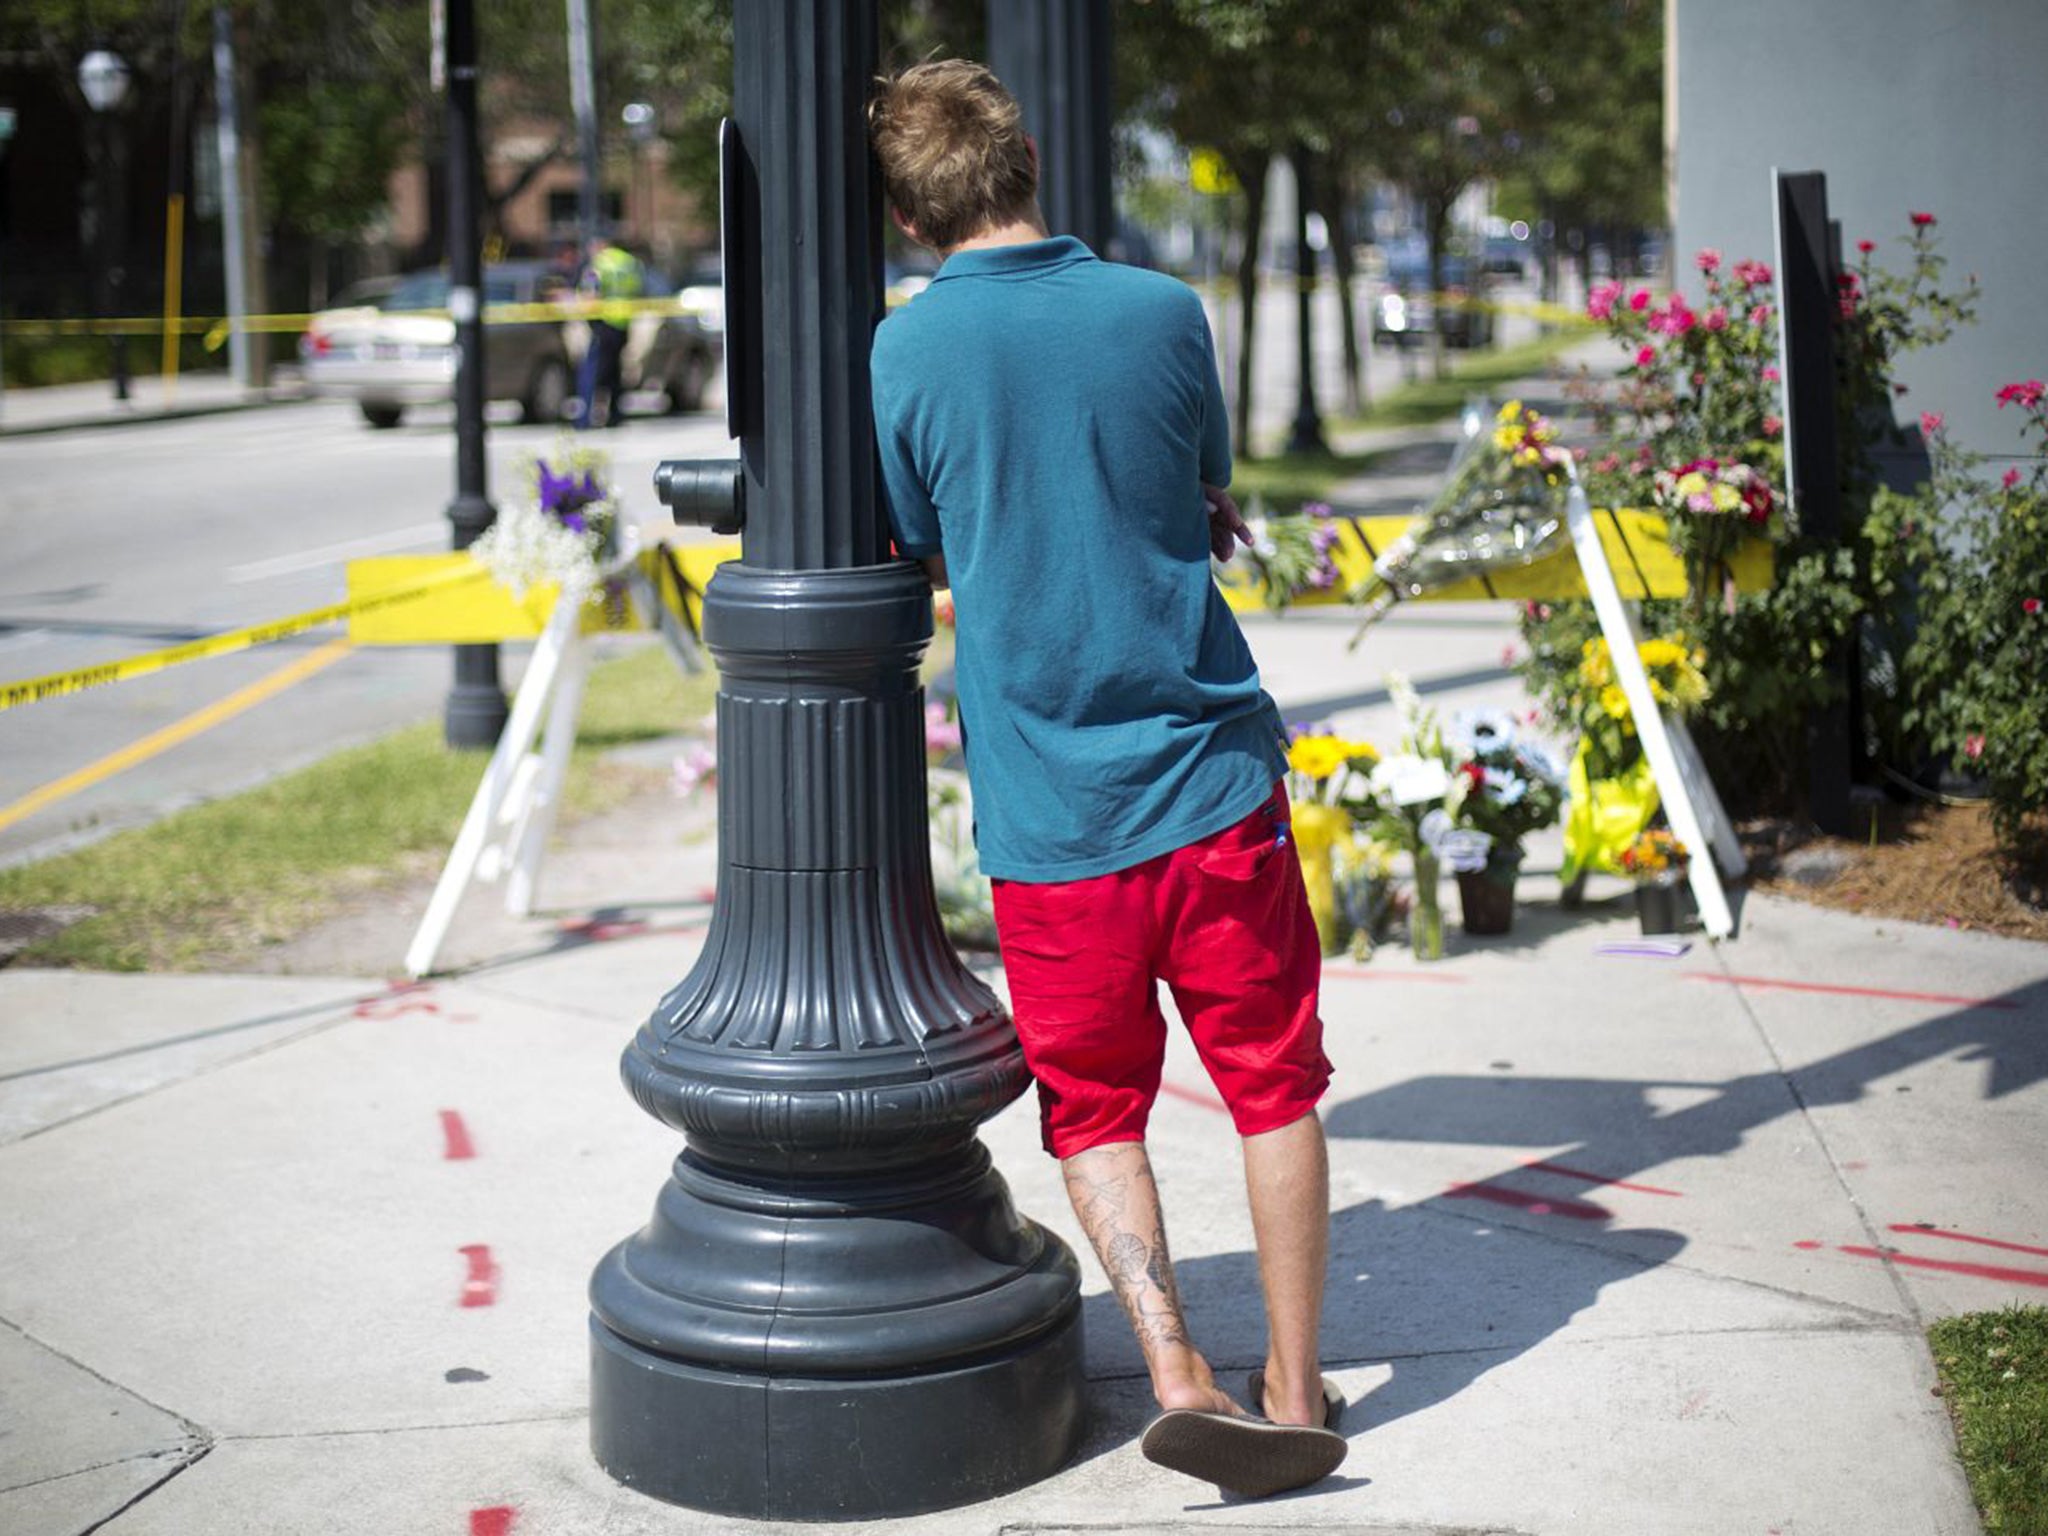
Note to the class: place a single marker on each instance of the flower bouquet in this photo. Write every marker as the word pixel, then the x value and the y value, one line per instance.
pixel 1511 788
pixel 1413 798
pixel 1501 507
pixel 1325 778
pixel 1711 503
pixel 1657 860
pixel 565 531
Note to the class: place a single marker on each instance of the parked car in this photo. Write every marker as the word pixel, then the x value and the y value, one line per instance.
pixel 400 351
pixel 1404 311
pixel 675 349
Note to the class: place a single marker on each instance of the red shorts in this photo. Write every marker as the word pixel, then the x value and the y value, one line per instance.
pixel 1225 923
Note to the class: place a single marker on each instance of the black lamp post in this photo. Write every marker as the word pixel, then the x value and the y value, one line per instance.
pixel 476 710
pixel 103 79
pixel 836 1311
pixel 1054 55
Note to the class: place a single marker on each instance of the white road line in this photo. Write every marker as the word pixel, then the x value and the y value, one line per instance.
pixel 334 554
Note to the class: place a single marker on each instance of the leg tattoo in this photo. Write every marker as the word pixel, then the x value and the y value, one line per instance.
pixel 1118 1203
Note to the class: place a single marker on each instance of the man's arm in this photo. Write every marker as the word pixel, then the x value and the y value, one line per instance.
pixel 935 567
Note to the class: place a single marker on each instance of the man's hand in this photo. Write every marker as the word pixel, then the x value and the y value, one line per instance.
pixel 1227 527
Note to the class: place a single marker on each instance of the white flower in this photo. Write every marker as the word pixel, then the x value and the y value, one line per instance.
pixel 526 548
pixel 1407 702
pixel 1410 780
pixel 1474 731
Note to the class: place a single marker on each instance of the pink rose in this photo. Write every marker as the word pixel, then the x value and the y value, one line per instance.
pixel 1753 274
pixel 2012 478
pixel 1760 316
pixel 1708 260
pixel 1773 426
pixel 2026 396
pixel 1866 246
pixel 1922 220
pixel 1646 357
pixel 1973 747
pixel 1771 374
pixel 1717 319
pixel 1930 422
pixel 1639 300
pixel 2030 605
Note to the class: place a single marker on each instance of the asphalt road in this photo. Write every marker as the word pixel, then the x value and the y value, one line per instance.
pixel 115 541
pixel 120 540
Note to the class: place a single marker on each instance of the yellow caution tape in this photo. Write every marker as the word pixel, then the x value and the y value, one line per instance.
pixel 212 326
pixel 1638 546
pixel 481 615
pixel 57 685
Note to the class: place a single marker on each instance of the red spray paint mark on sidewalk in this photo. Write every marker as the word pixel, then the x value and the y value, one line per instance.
pixel 495 1521
pixel 1951 1267
pixel 1194 1096
pixel 1364 973
pixel 457 1147
pixel 1540 1205
pixel 1964 1237
pixel 1832 990
pixel 480 1288
pixel 1596 1178
pixel 403 997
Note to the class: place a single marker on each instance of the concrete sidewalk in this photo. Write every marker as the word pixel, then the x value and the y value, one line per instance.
pixel 1621 1246
pixel 62 407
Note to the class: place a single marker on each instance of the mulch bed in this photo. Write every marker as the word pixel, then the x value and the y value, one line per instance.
pixel 1932 864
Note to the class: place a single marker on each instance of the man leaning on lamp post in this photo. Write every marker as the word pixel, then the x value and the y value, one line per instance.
pixel 1042 415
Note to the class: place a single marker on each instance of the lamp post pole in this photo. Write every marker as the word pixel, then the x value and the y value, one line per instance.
pixel 103 78
pixel 1306 434
pixel 835 1311
pixel 1054 55
pixel 476 710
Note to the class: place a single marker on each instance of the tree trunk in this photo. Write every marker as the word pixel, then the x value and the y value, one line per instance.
pixel 1251 175
pixel 1333 197
pixel 254 246
pixel 1436 218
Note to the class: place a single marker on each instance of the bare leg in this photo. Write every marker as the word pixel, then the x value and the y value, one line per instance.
pixel 1117 1201
pixel 1287 1176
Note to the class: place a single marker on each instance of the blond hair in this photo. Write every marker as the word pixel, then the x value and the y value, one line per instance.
pixel 950 141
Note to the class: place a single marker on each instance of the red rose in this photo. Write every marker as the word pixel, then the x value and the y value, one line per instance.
pixel 1922 220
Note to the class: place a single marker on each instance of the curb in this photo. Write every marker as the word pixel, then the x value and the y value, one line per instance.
pixel 144 418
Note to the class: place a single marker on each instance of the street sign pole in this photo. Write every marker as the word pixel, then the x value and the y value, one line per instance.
pixel 476 710
pixel 835 1311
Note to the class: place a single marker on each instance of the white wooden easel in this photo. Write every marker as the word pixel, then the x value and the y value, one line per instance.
pixel 505 833
pixel 1697 817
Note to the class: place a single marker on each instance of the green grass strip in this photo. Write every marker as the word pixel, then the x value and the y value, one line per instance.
pixel 1994 1374
pixel 1284 481
pixel 256 868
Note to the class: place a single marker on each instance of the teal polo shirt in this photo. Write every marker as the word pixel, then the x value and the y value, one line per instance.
pixel 1046 421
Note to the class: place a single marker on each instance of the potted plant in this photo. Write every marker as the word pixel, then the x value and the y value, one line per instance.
pixel 1657 860
pixel 1510 789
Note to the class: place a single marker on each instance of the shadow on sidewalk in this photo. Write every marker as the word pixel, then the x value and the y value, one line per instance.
pixel 1449 1288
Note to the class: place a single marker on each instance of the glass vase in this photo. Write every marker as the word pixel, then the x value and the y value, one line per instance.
pixel 1426 914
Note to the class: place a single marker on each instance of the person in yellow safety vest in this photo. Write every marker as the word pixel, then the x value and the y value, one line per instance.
pixel 613 276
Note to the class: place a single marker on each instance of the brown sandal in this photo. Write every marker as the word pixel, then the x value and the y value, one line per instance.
pixel 1333 1397
pixel 1247 1456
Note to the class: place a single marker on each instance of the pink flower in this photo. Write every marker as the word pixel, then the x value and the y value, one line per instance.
pixel 1708 260
pixel 1639 300
pixel 1600 302
pixel 1754 274
pixel 941 734
pixel 2026 396
pixel 1922 220
pixel 1973 747
pixel 1646 357
pixel 1760 316
pixel 2030 606
pixel 1509 656
pixel 1609 463
pixel 1930 422
pixel 1866 246
pixel 2011 479
pixel 1717 319
pixel 1773 426
pixel 1771 374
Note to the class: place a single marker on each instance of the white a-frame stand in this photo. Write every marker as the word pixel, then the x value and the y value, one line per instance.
pixel 1694 810
pixel 510 819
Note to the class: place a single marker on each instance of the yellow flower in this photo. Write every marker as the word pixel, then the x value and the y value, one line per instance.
pixel 1510 411
pixel 1507 439
pixel 1726 498
pixel 1614 701
pixel 1362 753
pixel 1317 757
pixel 1661 653
pixel 1692 485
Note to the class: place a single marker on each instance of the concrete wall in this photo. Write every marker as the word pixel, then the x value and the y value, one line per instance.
pixel 1939 106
